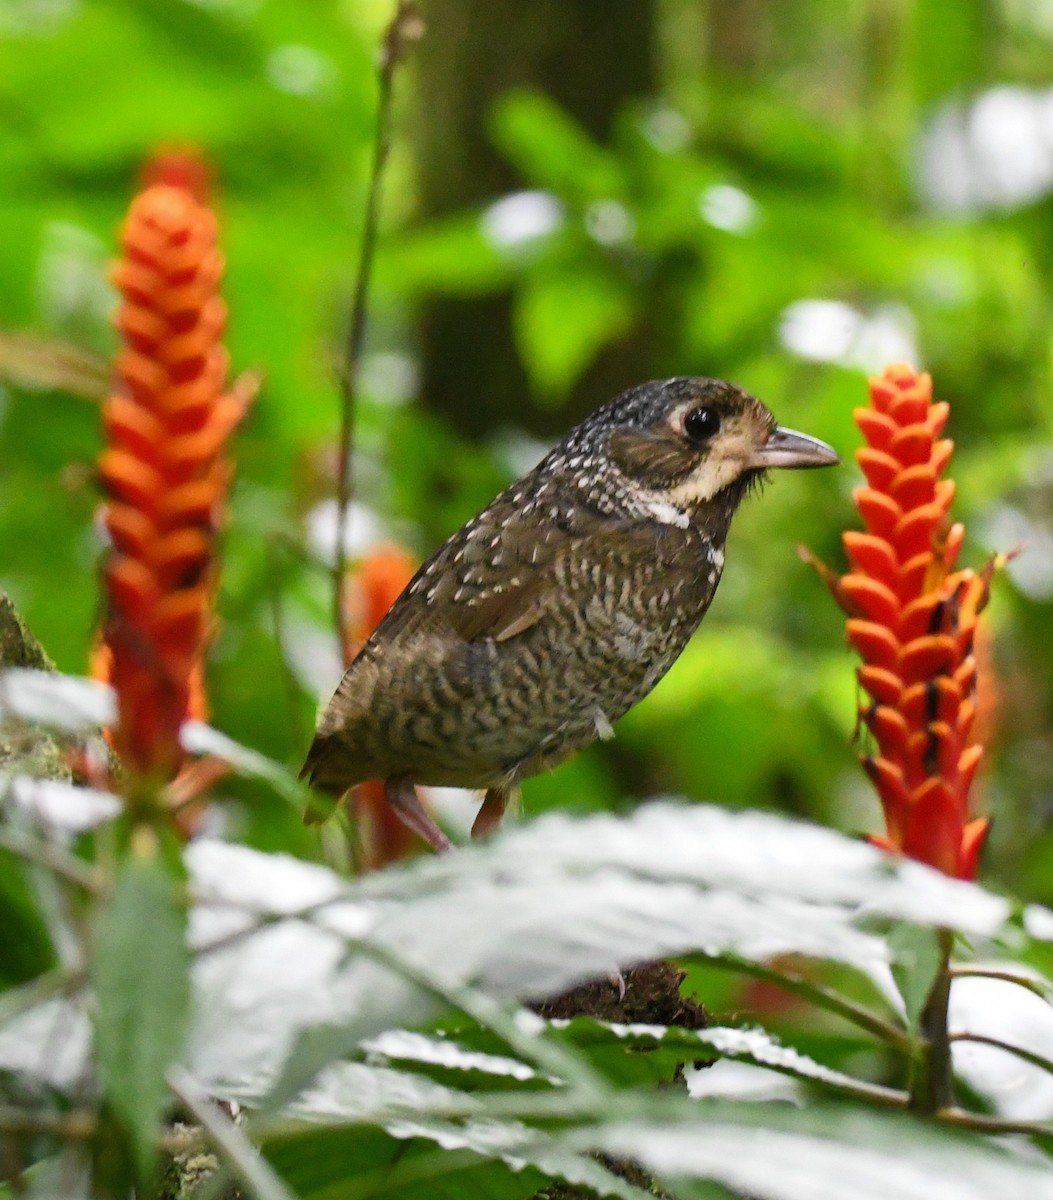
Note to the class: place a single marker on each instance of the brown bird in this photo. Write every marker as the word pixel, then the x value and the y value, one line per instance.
pixel 549 615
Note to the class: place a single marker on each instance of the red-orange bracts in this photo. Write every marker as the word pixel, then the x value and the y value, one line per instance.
pixel 370 591
pixel 164 471
pixel 912 619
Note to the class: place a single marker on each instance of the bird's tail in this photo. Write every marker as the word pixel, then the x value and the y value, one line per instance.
pixel 328 785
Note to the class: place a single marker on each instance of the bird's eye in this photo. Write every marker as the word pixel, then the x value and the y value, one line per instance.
pixel 701 423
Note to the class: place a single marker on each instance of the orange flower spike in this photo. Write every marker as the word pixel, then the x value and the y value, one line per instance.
pixel 885 686
pixel 872 555
pixel 874 642
pixel 913 623
pixel 183 167
pixel 164 474
pixel 373 588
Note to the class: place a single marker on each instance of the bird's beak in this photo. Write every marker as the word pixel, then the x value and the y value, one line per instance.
pixel 788 448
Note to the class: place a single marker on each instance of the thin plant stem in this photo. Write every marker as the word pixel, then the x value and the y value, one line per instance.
pixel 932 1082
pixel 53 858
pixel 982 1039
pixel 19 1000
pixel 981 1123
pixel 821 997
pixel 853 1089
pixel 405 28
pixel 973 971
pixel 78 1125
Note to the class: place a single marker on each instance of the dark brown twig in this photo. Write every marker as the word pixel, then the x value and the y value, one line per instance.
pixel 405 29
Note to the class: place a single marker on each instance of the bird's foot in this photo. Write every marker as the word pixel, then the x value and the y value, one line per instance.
pixel 403 798
pixel 489 816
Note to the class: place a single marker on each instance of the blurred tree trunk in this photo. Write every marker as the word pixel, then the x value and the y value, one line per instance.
pixel 741 36
pixel 590 58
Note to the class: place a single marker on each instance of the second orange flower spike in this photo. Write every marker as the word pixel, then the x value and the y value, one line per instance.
pixel 912 618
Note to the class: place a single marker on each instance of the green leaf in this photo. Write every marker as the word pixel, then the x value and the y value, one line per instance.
pixel 916 961
pixel 567 899
pixel 450 256
pixel 57 701
pixel 140 975
pixel 563 319
pixel 25 946
pixel 948 47
pixel 486 1159
pixel 551 149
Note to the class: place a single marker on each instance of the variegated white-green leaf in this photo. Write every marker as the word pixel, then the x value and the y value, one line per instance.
pixel 66 702
pixel 779 1153
pixel 754 1046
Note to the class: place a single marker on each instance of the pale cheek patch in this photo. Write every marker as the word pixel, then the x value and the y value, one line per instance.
pixel 713 474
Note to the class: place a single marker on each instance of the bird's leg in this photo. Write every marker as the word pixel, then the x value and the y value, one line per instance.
pixel 403 798
pixel 495 802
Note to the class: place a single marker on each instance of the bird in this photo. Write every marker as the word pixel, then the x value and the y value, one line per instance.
pixel 546 617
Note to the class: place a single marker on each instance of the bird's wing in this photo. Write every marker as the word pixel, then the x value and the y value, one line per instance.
pixel 501 585
pixel 484 582
pixel 497 587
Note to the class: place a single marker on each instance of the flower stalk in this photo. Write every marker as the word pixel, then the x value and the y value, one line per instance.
pixel 932 1078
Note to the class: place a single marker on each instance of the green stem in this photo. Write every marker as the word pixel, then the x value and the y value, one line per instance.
pixel 932 1085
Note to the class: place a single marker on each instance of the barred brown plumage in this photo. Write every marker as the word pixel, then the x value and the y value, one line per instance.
pixel 550 614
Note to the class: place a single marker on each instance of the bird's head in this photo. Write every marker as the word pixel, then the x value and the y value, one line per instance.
pixel 684 445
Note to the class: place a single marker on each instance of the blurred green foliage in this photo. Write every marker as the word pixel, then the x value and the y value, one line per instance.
pixel 777 162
